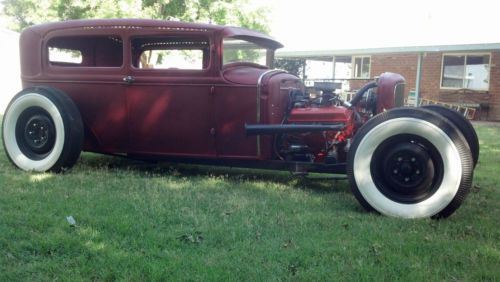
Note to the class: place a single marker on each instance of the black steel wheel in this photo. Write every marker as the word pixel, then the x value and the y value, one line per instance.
pixel 410 163
pixel 463 125
pixel 42 130
pixel 406 168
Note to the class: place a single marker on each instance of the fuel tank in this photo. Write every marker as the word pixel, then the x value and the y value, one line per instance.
pixel 390 91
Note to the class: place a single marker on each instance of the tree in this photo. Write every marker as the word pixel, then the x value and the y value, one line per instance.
pixel 293 66
pixel 23 13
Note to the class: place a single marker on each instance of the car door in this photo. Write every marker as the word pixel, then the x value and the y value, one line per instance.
pixel 88 66
pixel 170 95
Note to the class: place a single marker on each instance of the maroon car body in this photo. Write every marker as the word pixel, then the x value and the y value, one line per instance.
pixel 204 93
pixel 188 113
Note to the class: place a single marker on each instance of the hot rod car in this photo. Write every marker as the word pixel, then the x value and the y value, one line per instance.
pixel 161 90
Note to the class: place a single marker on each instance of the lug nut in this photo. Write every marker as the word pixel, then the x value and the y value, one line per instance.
pixel 395 171
pixel 417 172
pixel 407 179
pixel 413 159
pixel 400 159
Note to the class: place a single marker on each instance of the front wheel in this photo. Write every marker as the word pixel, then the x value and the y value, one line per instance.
pixel 42 130
pixel 410 163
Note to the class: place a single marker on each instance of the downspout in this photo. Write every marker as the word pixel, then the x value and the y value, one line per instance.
pixel 304 71
pixel 333 68
pixel 419 76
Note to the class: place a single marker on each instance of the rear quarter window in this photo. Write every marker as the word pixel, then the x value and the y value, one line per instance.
pixel 85 51
pixel 65 56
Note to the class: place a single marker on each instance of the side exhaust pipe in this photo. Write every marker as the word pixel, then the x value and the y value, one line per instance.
pixel 270 129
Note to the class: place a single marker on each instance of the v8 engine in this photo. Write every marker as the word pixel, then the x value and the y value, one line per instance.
pixel 320 129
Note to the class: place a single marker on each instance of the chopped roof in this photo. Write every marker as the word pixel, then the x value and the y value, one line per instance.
pixel 227 31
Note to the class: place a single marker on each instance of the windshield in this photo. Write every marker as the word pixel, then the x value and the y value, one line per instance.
pixel 237 50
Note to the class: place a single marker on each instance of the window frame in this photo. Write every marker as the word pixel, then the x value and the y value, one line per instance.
pixel 268 52
pixel 353 65
pixel 202 71
pixel 76 67
pixel 465 65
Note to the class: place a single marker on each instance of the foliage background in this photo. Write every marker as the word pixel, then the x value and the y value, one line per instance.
pixel 295 67
pixel 23 13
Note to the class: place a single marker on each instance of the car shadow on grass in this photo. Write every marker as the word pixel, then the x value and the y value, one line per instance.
pixel 319 183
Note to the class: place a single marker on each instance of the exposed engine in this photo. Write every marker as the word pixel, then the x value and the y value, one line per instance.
pixel 319 129
pixel 323 146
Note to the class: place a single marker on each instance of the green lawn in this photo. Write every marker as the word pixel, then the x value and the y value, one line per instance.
pixel 137 221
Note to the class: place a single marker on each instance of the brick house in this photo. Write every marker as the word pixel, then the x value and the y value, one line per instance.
pixel 453 74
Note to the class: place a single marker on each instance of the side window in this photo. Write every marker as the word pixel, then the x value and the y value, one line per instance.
pixel 85 51
pixel 173 52
pixel 65 56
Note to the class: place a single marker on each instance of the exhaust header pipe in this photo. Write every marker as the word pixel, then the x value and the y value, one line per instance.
pixel 270 129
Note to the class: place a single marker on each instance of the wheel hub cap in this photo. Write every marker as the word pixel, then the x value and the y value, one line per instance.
pixel 35 133
pixel 406 168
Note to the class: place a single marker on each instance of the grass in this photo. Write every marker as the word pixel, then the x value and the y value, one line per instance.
pixel 137 221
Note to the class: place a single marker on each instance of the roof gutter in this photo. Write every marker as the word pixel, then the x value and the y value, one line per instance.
pixel 390 50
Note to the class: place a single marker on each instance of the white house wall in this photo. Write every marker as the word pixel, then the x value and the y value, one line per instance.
pixel 10 70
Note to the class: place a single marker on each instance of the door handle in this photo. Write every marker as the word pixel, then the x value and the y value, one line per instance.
pixel 129 79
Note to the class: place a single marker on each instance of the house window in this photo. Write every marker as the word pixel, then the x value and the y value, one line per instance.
pixel 361 67
pixel 466 71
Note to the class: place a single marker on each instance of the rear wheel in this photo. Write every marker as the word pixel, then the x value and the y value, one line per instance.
pixel 42 130
pixel 410 163
pixel 463 125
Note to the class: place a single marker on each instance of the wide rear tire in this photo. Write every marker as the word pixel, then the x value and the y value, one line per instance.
pixel 410 163
pixel 42 130
pixel 463 125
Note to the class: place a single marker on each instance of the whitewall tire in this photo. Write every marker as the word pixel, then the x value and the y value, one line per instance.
pixel 42 130
pixel 463 125
pixel 410 163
